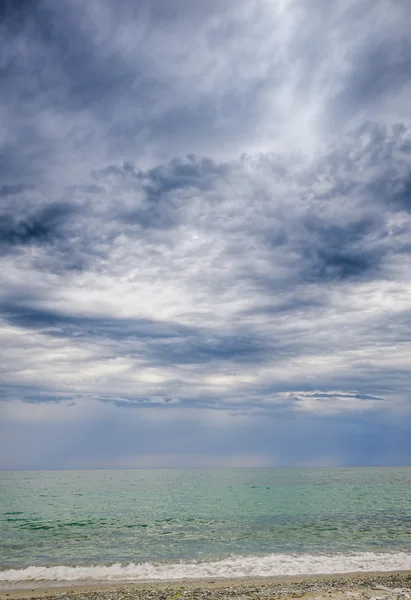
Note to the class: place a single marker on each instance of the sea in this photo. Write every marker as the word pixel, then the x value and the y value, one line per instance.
pixel 136 525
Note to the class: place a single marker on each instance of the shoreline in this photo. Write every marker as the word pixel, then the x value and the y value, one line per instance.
pixel 371 585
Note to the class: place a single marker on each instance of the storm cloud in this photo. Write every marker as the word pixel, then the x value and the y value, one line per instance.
pixel 205 226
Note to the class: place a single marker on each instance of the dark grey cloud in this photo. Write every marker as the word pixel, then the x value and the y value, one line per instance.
pixel 61 64
pixel 197 173
pixel 401 199
pixel 164 343
pixel 70 325
pixel 280 251
pixel 12 190
pixel 117 78
pixel 156 201
pixel 341 252
pixel 42 226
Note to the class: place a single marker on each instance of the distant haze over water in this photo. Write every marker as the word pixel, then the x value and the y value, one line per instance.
pixel 142 524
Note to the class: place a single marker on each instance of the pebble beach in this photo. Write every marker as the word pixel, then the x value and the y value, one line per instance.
pixel 363 586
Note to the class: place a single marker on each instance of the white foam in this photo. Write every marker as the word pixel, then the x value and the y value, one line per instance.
pixel 236 566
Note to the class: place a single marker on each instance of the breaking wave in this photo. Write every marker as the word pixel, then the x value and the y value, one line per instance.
pixel 232 567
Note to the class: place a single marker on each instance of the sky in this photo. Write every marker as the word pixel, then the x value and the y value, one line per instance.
pixel 205 233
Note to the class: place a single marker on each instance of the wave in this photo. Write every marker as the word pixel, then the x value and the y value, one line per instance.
pixel 232 567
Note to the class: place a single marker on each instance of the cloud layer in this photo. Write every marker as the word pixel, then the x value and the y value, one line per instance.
pixel 205 223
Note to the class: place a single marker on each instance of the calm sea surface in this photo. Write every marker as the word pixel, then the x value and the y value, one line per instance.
pixel 222 521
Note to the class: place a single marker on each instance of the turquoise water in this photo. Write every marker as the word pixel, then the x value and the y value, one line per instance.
pixel 81 518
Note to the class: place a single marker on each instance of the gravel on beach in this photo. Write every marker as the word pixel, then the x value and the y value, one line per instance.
pixel 370 586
